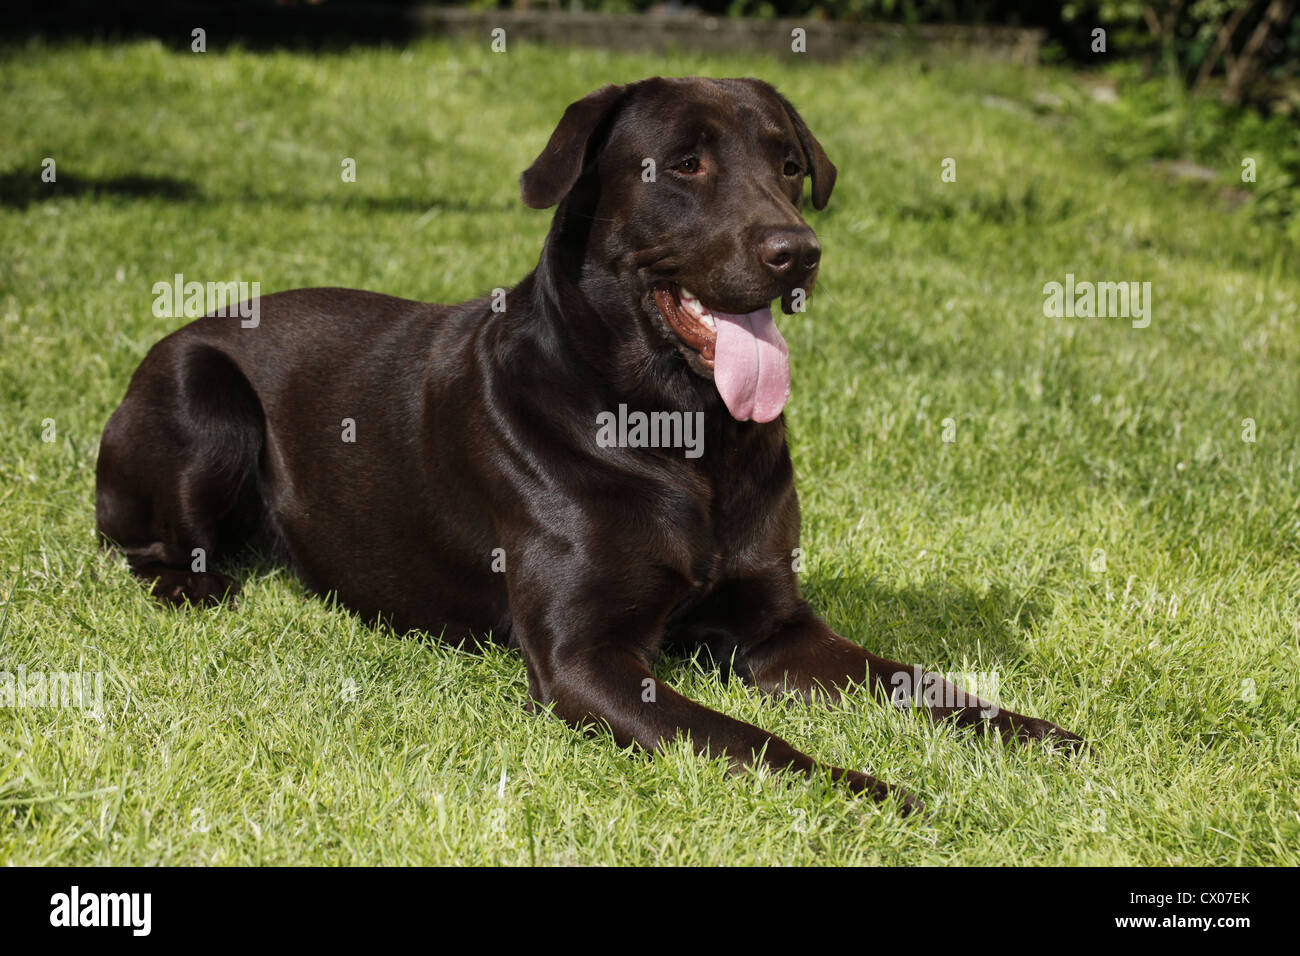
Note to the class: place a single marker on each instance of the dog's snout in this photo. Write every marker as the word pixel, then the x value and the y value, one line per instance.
pixel 790 254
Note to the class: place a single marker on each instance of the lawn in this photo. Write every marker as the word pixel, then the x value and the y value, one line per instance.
pixel 1069 506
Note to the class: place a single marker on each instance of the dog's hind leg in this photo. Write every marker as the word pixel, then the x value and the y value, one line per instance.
pixel 176 482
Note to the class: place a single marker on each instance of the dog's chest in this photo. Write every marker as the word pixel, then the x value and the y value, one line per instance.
pixel 753 515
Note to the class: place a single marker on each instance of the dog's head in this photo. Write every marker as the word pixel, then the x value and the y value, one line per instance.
pixel 680 199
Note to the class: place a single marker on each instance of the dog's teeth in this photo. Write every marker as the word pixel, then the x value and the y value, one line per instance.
pixel 695 308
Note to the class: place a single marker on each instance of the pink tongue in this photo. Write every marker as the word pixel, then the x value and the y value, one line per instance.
pixel 751 365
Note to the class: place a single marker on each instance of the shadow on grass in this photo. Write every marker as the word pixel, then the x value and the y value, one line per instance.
pixel 21 187
pixel 929 624
pixel 938 626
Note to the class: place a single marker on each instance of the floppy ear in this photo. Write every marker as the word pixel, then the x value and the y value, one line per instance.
pixel 822 169
pixel 555 171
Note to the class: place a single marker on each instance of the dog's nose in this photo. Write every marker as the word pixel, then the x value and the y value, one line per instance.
pixel 790 254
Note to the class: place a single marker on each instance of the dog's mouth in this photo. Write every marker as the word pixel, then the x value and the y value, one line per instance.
pixel 689 319
pixel 747 356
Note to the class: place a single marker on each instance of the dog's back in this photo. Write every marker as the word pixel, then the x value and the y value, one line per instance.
pixel 314 433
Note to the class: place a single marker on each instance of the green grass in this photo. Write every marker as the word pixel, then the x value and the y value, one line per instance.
pixel 231 737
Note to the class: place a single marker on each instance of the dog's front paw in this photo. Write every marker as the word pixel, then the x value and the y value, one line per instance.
pixel 1031 728
pixel 883 792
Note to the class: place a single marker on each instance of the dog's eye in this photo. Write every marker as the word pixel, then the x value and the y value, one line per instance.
pixel 792 168
pixel 690 165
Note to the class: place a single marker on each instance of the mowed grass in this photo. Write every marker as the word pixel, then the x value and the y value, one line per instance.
pixel 287 731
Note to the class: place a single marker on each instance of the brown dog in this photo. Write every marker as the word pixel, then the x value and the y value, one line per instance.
pixel 592 471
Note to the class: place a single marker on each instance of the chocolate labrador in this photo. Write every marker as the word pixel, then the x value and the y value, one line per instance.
pixel 590 466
